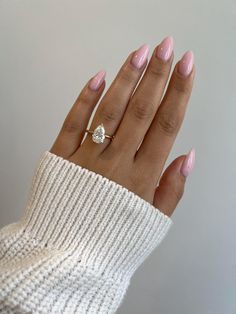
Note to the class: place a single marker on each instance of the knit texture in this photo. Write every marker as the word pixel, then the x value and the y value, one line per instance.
pixel 78 243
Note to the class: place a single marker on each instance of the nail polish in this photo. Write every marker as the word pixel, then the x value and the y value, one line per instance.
pixel 97 80
pixel 186 63
pixel 140 56
pixel 188 163
pixel 164 50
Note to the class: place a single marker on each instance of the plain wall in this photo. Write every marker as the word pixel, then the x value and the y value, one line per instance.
pixel 50 48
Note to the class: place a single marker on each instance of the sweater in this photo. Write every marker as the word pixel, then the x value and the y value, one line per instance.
pixel 80 239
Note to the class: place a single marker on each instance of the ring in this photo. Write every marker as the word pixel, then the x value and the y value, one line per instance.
pixel 99 134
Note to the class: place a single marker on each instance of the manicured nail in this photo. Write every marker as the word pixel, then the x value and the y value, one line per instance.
pixel 140 56
pixel 97 80
pixel 186 63
pixel 164 50
pixel 188 163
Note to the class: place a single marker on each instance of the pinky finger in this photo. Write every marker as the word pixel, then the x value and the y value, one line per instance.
pixel 76 121
pixel 172 183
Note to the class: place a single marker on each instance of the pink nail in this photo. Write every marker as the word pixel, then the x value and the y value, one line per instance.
pixel 186 63
pixel 140 56
pixel 97 80
pixel 164 50
pixel 188 163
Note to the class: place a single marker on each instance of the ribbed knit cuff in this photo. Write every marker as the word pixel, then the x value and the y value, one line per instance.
pixel 72 208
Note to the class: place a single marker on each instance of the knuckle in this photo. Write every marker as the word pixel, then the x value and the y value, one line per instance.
pixel 110 114
pixel 70 126
pixel 158 70
pixel 168 122
pixel 178 192
pixel 83 100
pixel 127 74
pixel 143 109
pixel 182 87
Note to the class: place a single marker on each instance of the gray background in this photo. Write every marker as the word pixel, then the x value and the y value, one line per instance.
pixel 49 49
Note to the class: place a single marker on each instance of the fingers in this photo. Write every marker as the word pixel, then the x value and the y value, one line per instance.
pixel 112 106
pixel 146 99
pixel 172 183
pixel 75 123
pixel 162 133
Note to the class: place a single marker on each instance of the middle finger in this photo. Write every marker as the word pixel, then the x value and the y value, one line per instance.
pixel 146 99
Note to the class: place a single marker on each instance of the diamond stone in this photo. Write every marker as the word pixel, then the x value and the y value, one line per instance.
pixel 99 134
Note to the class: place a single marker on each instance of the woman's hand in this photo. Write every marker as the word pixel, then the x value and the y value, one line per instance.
pixel 144 121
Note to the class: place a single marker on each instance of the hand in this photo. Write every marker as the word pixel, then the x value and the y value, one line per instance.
pixel 144 121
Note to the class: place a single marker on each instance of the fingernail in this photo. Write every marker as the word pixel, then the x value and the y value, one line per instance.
pixel 188 163
pixel 186 63
pixel 164 50
pixel 97 80
pixel 140 56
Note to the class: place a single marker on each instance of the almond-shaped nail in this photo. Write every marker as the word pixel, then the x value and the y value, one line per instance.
pixel 186 63
pixel 97 80
pixel 188 163
pixel 165 49
pixel 140 56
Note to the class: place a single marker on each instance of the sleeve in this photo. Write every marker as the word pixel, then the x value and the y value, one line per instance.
pixel 78 243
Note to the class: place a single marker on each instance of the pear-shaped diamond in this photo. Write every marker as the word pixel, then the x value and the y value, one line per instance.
pixel 99 134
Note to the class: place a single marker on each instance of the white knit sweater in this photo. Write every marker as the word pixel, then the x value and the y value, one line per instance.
pixel 79 241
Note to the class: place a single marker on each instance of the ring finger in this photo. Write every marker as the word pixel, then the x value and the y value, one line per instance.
pixel 113 104
pixel 146 99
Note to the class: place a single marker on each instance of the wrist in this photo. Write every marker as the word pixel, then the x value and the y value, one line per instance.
pixel 72 208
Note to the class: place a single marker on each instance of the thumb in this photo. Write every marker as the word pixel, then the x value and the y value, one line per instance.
pixel 172 183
